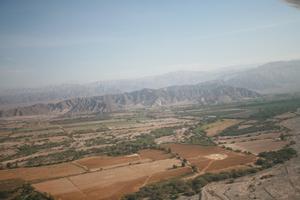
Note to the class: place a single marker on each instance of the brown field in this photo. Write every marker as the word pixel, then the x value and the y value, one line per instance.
pixel 103 162
pixel 100 177
pixel 111 192
pixel 258 146
pixel 211 158
pixel 41 173
pixel 153 154
pixel 254 143
pixel 111 183
pixel 232 160
pixel 249 137
pixel 218 126
pixel 94 176
pixel 94 163
pixel 161 176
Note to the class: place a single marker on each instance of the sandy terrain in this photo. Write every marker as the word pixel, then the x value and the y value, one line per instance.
pixel 217 127
pixel 179 136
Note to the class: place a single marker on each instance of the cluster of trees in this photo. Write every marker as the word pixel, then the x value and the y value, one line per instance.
pixel 130 147
pixel 23 192
pixel 269 109
pixel 157 133
pixel 172 189
pixel 144 141
pixel 54 158
pixel 199 137
pixel 259 126
pixel 271 158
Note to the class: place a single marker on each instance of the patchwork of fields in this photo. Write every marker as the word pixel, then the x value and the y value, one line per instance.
pixel 107 158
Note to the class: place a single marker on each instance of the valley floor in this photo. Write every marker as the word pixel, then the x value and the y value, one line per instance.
pixel 96 158
pixel 280 182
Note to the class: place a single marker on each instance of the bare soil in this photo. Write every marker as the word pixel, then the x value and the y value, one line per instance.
pixel 217 127
pixel 211 158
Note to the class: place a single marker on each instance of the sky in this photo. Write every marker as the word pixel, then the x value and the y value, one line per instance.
pixel 59 41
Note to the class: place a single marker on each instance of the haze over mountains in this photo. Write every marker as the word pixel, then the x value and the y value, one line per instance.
pixel 202 94
pixel 275 77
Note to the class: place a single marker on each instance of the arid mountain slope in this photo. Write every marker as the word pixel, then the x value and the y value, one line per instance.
pixel 275 77
pixel 189 94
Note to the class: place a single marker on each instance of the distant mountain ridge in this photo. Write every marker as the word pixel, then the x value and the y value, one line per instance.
pixel 66 91
pixel 203 94
pixel 274 77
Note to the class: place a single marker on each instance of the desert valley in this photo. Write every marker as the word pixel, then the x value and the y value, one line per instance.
pixel 149 100
pixel 138 145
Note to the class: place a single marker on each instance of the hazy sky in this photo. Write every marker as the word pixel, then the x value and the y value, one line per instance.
pixel 56 41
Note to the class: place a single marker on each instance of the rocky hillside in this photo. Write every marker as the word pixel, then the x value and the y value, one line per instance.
pixel 188 94
pixel 275 77
pixel 13 97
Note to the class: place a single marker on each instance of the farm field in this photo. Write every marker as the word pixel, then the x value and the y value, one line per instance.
pixel 32 141
pixel 217 127
pixel 211 158
pixel 257 141
pixel 41 173
pixel 258 146
pixel 112 180
pixel 88 178
pixel 107 158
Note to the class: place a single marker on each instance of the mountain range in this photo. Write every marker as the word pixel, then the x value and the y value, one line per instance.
pixel 202 94
pixel 274 77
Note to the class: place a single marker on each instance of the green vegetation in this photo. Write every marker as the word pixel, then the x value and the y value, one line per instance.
pixel 268 109
pixel 26 149
pixel 30 149
pixel 29 130
pixel 130 147
pixel 54 158
pixel 17 190
pixel 96 141
pixel 157 133
pixel 256 127
pixel 145 141
pixel 172 189
pixel 99 117
pixel 271 158
pixel 199 137
pixel 261 109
